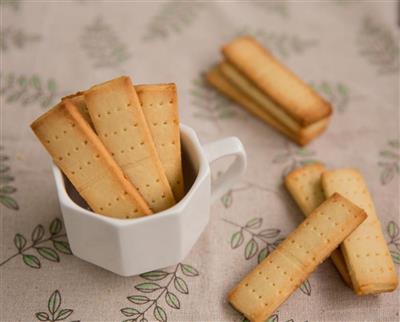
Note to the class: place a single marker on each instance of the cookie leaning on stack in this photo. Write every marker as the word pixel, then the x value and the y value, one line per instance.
pixel 107 143
pixel 251 76
pixel 364 260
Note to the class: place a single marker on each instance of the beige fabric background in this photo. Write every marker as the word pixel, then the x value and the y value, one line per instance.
pixel 347 49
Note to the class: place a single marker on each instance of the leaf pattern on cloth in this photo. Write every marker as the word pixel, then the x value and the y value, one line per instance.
pixel 393 232
pixel 259 242
pixel 167 286
pixel 228 198
pixel 172 17
pixel 6 183
pixel 378 46
pixel 293 158
pixel 210 104
pixel 272 318
pixel 102 45
pixel 55 312
pixel 28 89
pixel 281 44
pixel 48 248
pixel 390 161
pixel 337 93
pixel 12 4
pixel 17 38
pixel 279 8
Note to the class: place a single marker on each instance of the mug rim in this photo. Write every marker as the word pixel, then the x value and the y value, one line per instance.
pixel 175 210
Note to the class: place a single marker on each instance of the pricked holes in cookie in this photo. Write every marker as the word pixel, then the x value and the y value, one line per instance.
pixel 125 129
pixel 97 156
pixel 153 201
pixel 88 163
pixel 115 132
pixel 273 284
pixel 135 125
pixel 157 180
pixel 73 124
pixel 68 154
pixel 142 143
pixel 60 158
pixel 171 101
pixel 163 196
pixel 65 132
pixel 136 211
pixel 292 241
pixel 161 103
pixel 72 172
pixel 80 168
pixel 260 297
pixel 56 137
pixel 99 115
pixel 253 290
pixel 125 193
pixel 109 204
pixel 259 273
pixel 101 208
pixel 105 135
pixel 155 124
pixel 173 142
pixel 132 148
pixel 85 142
pixel 314 228
pixel 165 122
pixel 122 151
pixel 76 148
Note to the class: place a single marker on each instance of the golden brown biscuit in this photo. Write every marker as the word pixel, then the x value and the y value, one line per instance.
pixel 301 137
pixel 82 157
pixel 366 253
pixel 304 184
pixel 275 80
pixel 262 291
pixel 160 107
pixel 116 113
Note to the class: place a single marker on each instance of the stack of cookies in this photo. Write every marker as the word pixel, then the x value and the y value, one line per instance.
pixel 339 211
pixel 119 145
pixel 251 76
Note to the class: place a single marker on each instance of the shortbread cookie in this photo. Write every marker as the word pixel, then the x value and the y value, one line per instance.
pixel 160 107
pixel 262 291
pixel 366 253
pixel 304 184
pixel 82 157
pixel 120 123
pixel 301 137
pixel 294 96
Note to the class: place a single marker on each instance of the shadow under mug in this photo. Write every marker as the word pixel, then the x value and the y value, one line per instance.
pixel 133 246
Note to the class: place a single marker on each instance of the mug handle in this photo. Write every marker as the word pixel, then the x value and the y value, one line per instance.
pixel 222 148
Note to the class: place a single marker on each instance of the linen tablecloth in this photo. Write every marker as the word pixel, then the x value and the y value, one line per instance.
pixel 347 50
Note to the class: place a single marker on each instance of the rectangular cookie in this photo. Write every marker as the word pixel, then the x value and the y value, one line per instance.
pixel 116 113
pixel 258 65
pixel 160 107
pixel 79 153
pixel 301 137
pixel 366 253
pixel 263 290
pixel 304 184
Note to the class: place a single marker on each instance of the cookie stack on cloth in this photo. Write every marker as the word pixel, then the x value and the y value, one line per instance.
pixel 251 76
pixel 339 212
pixel 119 145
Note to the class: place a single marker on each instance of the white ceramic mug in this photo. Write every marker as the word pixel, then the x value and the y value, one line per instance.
pixel 133 246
